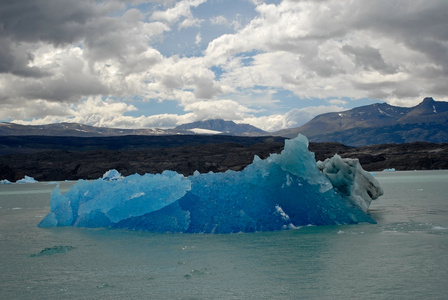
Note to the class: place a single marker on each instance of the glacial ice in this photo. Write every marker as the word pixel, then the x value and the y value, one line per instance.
pixel 5 181
pixel 112 175
pixel 350 180
pixel 27 179
pixel 286 190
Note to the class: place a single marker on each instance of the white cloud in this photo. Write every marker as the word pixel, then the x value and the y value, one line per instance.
pixel 65 56
pixel 37 109
pixel 293 118
pixel 234 23
pixel 190 22
pixel 69 77
pixel 198 39
pixel 218 20
pixel 327 50
pixel 111 113
pixel 218 109
pixel 182 10
pixel 337 102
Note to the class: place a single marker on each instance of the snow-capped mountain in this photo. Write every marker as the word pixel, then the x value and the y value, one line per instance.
pixel 219 126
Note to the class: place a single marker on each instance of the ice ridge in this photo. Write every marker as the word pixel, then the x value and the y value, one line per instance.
pixel 284 191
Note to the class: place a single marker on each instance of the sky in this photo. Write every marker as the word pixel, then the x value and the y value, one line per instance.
pixel 272 64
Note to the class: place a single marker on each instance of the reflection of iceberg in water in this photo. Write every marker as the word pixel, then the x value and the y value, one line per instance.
pixel 286 190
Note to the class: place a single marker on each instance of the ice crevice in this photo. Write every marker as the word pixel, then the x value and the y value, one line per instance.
pixel 284 191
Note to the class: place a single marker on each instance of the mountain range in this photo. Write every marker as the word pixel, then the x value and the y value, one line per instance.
pixel 207 127
pixel 378 123
pixel 75 129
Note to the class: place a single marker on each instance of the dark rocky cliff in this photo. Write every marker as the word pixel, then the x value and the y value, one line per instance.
pixel 175 153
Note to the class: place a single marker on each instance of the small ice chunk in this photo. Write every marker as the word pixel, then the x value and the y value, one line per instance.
pixel 281 213
pixel 27 179
pixel 5 181
pixel 112 175
pixel 439 228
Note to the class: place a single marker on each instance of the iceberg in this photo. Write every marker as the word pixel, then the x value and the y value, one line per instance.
pixel 27 179
pixel 284 191
pixel 5 181
pixel 112 175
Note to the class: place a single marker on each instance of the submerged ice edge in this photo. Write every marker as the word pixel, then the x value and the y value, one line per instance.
pixel 286 190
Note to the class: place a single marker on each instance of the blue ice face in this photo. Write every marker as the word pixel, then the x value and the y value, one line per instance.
pixel 284 191
pixel 102 203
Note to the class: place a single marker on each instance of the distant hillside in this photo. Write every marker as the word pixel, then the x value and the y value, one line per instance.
pixel 379 124
pixel 219 126
pixel 75 129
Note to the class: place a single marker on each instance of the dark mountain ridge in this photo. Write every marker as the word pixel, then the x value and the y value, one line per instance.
pixel 379 123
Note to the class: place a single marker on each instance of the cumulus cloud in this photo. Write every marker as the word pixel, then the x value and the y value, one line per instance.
pixel 198 39
pixel 293 118
pixel 57 57
pixel 56 22
pixel 15 59
pixel 218 109
pixel 218 20
pixel 181 11
pixel 67 78
pixel 368 58
pixel 334 40
pixel 111 113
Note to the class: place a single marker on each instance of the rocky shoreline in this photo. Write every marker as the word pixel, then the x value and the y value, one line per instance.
pixel 208 155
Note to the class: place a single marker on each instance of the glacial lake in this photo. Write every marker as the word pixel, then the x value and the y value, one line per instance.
pixel 403 256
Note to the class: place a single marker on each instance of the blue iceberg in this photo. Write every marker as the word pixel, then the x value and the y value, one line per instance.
pixel 284 191
pixel 112 175
pixel 27 179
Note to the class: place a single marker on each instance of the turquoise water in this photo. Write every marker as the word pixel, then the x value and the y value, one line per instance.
pixel 403 256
